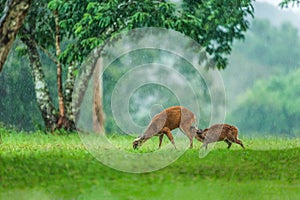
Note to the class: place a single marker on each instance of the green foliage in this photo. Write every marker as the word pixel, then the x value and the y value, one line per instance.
pixel 18 106
pixel 213 24
pixel 286 3
pixel 266 51
pixel 41 25
pixel 272 106
pixel 39 22
pixel 218 23
pixel 87 24
pixel 40 166
pixel 18 103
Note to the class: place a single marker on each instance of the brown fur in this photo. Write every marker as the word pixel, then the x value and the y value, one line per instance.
pixel 167 120
pixel 219 132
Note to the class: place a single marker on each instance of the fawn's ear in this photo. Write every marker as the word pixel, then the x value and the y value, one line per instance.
pixel 194 129
pixel 199 131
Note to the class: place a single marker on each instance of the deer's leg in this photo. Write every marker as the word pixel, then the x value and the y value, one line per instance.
pixel 240 143
pixel 229 143
pixel 160 139
pixel 167 131
pixel 189 133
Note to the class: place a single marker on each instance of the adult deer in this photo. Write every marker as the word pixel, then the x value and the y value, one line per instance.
pixel 167 120
pixel 219 132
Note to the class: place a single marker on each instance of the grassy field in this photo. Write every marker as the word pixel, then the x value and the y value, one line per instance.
pixel 39 166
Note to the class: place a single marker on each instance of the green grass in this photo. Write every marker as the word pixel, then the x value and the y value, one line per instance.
pixel 39 166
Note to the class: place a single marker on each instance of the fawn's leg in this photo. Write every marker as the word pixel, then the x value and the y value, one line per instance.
pixel 204 145
pixel 228 142
pixel 235 140
pixel 240 143
pixel 160 139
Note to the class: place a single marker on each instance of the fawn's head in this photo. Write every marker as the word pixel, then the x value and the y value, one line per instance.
pixel 199 134
pixel 199 131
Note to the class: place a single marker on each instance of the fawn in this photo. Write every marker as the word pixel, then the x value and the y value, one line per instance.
pixel 219 132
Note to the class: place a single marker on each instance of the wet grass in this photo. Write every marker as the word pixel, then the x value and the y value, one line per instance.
pixel 39 166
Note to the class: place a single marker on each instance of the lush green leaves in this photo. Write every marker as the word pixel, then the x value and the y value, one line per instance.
pixel 214 24
pixel 218 24
pixel 86 24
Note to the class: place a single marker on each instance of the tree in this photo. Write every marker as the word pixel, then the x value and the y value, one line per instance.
pixel 42 33
pixel 271 106
pixel 67 32
pixel 10 23
pixel 203 21
pixel 213 24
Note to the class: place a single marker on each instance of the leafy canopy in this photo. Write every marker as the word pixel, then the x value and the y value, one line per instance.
pixel 214 24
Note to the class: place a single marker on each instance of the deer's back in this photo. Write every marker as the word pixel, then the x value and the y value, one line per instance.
pixel 172 117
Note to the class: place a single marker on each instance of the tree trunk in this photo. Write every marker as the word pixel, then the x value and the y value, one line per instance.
pixel 68 121
pixel 43 97
pixel 69 88
pixel 61 104
pixel 10 23
pixel 98 115
pixel 87 70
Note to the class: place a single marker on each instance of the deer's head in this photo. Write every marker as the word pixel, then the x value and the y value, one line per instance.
pixel 138 142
